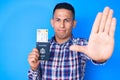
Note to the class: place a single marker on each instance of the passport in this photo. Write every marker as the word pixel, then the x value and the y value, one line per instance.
pixel 42 44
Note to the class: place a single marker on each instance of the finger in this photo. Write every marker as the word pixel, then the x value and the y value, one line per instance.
pixel 108 22
pixel 103 20
pixel 97 23
pixel 112 28
pixel 34 66
pixel 36 54
pixel 78 48
pixel 33 56
pixel 32 59
pixel 35 51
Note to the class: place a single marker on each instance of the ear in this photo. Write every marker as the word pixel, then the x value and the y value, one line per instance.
pixel 74 23
pixel 51 21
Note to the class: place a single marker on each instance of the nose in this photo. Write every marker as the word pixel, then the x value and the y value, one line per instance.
pixel 62 25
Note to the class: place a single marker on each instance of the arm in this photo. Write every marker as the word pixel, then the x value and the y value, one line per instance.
pixel 101 42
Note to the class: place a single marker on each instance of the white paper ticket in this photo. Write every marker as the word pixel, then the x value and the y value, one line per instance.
pixel 42 35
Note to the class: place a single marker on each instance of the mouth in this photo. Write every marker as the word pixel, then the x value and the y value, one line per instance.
pixel 61 30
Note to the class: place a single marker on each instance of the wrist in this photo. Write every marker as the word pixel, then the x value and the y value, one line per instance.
pixel 34 69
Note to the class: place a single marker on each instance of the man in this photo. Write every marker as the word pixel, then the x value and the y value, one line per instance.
pixel 68 55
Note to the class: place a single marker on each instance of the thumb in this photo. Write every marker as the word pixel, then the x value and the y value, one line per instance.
pixel 78 48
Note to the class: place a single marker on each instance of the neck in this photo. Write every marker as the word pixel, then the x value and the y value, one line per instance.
pixel 61 40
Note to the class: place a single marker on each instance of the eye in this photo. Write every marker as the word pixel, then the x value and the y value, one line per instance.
pixel 58 20
pixel 67 20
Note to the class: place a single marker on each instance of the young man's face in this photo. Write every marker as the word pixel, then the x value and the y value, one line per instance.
pixel 63 23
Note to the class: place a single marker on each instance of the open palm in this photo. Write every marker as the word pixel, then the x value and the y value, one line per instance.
pixel 101 41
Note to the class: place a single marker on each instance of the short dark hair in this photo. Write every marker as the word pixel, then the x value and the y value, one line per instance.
pixel 65 5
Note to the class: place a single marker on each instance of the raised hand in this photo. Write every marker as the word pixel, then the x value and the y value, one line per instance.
pixel 101 42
